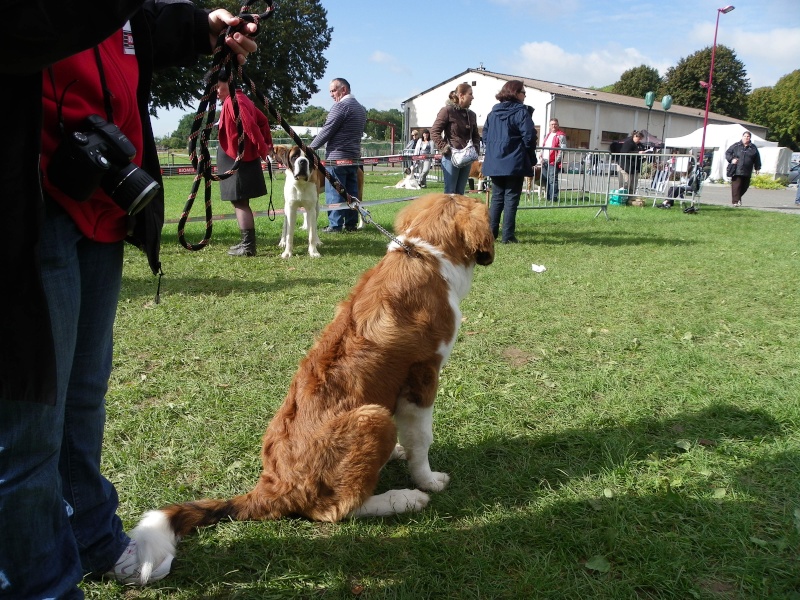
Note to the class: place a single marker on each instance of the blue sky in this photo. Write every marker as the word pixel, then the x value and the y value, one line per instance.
pixel 390 51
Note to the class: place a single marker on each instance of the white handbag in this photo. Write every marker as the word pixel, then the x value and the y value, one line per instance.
pixel 465 156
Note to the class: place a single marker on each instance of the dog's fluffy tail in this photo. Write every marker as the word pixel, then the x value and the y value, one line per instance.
pixel 158 532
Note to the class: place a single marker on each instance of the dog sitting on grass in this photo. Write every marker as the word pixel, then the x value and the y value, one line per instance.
pixel 364 393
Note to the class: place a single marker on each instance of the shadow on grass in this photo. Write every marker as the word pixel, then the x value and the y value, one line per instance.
pixel 487 536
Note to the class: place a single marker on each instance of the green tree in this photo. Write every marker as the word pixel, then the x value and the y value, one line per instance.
pixel 760 106
pixel 379 130
pixel 285 68
pixel 312 116
pixel 730 86
pixel 637 82
pixel 784 113
pixel 778 108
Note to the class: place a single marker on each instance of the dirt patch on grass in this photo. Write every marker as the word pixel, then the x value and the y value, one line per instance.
pixel 516 357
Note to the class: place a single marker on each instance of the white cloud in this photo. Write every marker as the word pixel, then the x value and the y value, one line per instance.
pixel 390 62
pixel 548 62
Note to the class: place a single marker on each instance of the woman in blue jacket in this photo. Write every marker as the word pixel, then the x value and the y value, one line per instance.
pixel 510 141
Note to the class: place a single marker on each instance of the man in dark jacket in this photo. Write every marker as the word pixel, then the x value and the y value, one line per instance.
pixel 746 158
pixel 62 261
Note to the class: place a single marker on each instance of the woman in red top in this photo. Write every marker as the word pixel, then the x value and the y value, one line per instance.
pixel 248 181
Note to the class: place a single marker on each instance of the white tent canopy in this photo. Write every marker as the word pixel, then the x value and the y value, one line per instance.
pixel 719 137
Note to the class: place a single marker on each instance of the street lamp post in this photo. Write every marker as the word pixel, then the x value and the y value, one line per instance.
pixel 708 85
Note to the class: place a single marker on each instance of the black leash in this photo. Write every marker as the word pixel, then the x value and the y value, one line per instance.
pixel 221 69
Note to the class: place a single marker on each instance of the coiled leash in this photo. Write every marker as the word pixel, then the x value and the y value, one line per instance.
pixel 221 69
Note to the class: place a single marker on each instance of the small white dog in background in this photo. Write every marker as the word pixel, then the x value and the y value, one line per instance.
pixel 406 183
pixel 301 190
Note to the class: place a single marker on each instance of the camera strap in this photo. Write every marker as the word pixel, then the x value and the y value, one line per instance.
pixel 107 95
pixel 106 92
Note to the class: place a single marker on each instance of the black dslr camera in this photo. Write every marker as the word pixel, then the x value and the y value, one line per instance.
pixel 100 156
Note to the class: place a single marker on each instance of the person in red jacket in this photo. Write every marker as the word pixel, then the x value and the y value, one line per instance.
pixel 552 147
pixel 248 181
pixel 82 75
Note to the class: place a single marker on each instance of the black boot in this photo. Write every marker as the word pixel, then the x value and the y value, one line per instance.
pixel 247 247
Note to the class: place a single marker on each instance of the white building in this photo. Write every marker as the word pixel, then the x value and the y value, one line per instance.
pixel 589 118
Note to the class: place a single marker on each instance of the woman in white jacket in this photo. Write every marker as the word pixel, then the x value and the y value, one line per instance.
pixel 425 148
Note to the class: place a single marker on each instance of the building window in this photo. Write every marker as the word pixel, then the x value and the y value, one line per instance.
pixel 612 136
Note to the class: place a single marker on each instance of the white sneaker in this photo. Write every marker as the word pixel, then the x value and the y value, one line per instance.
pixel 128 569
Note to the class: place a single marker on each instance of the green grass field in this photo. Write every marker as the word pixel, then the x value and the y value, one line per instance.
pixel 625 425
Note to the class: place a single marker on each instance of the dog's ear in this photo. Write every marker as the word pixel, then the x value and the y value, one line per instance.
pixel 473 222
pixel 280 153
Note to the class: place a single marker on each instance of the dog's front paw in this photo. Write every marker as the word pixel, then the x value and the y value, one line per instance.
pixel 434 482
pixel 313 252
pixel 286 254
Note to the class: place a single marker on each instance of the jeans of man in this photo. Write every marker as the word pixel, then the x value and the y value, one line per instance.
pixel 455 178
pixel 797 196
pixel 550 175
pixel 57 512
pixel 347 218
pixel 506 192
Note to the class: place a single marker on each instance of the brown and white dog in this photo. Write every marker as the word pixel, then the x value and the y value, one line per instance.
pixel 302 187
pixel 367 383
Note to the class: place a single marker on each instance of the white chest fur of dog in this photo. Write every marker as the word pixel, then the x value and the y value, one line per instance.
pixel 301 190
pixel 368 382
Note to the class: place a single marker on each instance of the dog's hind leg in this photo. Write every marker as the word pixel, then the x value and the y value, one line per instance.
pixel 393 502
pixel 346 460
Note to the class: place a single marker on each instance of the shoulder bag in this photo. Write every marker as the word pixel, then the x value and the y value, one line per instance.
pixel 467 155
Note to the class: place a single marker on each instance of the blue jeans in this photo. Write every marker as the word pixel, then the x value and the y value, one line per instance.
pixel 348 176
pixel 506 192
pixel 455 178
pixel 550 174
pixel 57 512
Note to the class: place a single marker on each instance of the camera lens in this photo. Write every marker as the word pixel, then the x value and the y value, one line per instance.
pixel 131 188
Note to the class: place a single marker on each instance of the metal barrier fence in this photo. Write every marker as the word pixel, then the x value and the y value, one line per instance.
pixel 595 179
pixel 583 179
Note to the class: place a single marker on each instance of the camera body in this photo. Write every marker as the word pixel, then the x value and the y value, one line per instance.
pixel 100 156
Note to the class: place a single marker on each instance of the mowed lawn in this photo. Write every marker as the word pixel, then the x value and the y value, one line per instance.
pixel 625 425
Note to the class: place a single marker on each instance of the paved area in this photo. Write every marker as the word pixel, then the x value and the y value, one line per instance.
pixel 774 200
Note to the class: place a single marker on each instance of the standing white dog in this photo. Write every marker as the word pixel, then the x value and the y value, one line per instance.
pixel 301 190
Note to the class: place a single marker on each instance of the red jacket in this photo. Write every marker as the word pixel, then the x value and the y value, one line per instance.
pixel 255 128
pixel 99 218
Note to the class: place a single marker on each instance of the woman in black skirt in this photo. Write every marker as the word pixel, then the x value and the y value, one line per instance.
pixel 248 181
